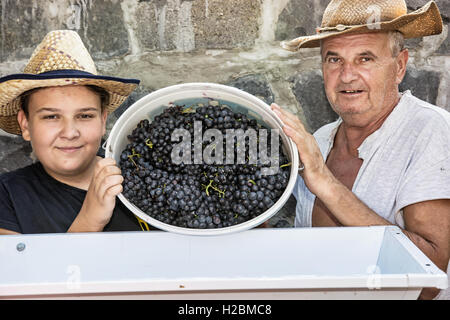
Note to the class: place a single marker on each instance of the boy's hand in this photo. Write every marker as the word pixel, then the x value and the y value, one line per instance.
pixel 100 199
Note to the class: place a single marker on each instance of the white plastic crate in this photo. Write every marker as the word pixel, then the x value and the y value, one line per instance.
pixel 313 263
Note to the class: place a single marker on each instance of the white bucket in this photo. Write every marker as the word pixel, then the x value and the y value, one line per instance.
pixel 189 94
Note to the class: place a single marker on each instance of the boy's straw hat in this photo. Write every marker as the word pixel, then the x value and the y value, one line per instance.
pixel 60 59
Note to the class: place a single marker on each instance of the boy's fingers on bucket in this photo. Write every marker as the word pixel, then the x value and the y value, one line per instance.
pixel 102 163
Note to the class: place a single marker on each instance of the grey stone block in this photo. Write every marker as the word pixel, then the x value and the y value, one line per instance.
pixel 152 27
pixel 296 20
pixel 14 153
pixel 99 23
pixel 256 85
pixel 423 84
pixel 413 44
pixel 102 29
pixel 188 25
pixel 24 25
pixel 310 93
pixel 219 26
pixel 300 18
pixel 444 49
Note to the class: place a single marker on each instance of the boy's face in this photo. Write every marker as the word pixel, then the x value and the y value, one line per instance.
pixel 65 126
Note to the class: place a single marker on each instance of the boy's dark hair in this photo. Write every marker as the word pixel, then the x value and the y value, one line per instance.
pixel 103 94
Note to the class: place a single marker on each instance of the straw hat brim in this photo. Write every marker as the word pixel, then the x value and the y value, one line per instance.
pixel 13 86
pixel 425 21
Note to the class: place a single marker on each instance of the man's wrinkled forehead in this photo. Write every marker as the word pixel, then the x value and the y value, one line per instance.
pixel 364 42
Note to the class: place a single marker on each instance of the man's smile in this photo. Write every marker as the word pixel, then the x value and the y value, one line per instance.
pixel 351 93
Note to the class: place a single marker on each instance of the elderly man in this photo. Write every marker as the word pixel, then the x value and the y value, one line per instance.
pixel 386 160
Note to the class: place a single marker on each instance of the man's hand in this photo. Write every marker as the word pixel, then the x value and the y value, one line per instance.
pixel 100 199
pixel 316 173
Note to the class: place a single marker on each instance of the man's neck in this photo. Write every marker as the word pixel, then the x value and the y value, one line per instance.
pixel 350 137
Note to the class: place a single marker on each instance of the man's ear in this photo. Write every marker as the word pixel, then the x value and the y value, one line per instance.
pixel 23 123
pixel 402 61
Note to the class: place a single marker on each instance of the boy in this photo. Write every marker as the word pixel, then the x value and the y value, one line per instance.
pixel 60 105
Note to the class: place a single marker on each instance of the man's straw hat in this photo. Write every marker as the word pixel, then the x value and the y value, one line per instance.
pixel 361 16
pixel 60 59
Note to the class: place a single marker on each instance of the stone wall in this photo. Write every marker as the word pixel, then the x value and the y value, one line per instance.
pixel 234 42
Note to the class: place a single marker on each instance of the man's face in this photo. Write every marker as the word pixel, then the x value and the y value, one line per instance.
pixel 361 76
pixel 65 126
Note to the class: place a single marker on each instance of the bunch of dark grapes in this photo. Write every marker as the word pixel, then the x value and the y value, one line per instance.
pixel 201 195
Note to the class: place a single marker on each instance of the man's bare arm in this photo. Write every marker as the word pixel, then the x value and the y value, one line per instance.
pixel 427 224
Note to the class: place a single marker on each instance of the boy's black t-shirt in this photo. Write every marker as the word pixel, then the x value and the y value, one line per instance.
pixel 31 201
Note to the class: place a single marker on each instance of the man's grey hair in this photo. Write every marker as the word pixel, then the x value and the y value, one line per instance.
pixel 396 41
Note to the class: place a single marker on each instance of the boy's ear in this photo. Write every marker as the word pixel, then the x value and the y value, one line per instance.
pixel 104 118
pixel 23 123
